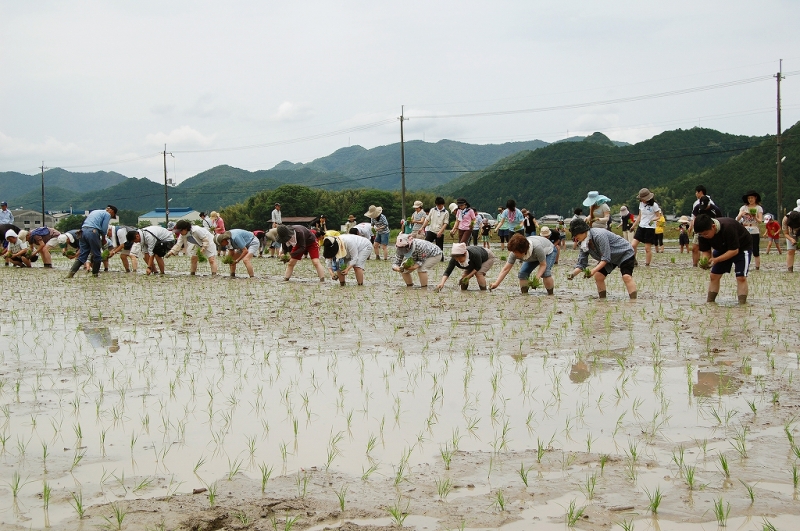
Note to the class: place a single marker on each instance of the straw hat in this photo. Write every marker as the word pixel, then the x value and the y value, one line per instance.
pixel 219 238
pixel 214 214
pixel 417 204
pixel 544 232
pixel 683 219
pixel 374 211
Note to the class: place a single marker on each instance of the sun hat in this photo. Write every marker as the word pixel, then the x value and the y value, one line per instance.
pixel 595 198
pixel 10 234
pixel 171 225
pixel 623 211
pixel 373 212
pixel 351 217
pixel 458 249
pixel 683 219
pixel 219 238
pixel 578 226
pixel 277 204
pixel 403 240
pixel 284 233
pixel 452 207
pixel 767 217
pixel 214 214
pixel 753 193
pixel 417 204
pixel 544 232
pixel 645 195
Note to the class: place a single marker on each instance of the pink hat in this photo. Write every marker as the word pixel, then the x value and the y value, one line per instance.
pixel 458 249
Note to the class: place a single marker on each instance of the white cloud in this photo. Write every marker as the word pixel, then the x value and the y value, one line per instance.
pixel 182 137
pixel 293 112
pixel 48 148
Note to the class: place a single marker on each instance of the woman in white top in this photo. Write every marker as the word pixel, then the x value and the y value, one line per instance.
pixel 189 234
pixel 750 215
pixel 649 212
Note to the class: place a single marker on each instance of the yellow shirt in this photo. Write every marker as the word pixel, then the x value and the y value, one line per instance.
pixel 660 224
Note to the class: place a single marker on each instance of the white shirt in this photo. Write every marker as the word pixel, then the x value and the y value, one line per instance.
pixel 365 230
pixel 198 236
pixel 276 216
pixel 151 235
pixel 437 219
pixel 649 215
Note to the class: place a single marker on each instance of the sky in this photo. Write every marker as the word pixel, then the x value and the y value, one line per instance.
pixel 98 85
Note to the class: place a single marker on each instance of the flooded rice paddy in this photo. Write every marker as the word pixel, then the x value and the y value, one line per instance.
pixel 184 402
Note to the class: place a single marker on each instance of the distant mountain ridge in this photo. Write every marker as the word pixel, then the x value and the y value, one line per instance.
pixel 14 184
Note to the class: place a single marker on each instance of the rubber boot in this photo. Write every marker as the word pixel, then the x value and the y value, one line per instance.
pixel 96 268
pixel 712 296
pixel 742 299
pixel 602 294
pixel 76 265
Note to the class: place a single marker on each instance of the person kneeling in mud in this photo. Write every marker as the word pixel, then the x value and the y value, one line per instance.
pixel 534 251
pixel 243 246
pixel 611 251
pixel 475 261
pixel 415 254
pixel 347 252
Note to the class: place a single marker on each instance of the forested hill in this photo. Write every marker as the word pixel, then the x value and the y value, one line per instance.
pixel 556 179
pixel 13 184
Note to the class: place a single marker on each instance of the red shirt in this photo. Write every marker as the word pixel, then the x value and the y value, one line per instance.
pixel 773 229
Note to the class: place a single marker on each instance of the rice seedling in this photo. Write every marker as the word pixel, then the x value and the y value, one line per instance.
pixel 243 518
pixel 739 442
pixel 341 495
pixel 118 513
pixel 750 492
pixel 795 476
pixel 723 465
pixel 689 474
pixel 523 473
pixel 212 494
pixel 16 483
pixel 589 486
pixel 721 511
pixel 626 525
pixel 443 487
pixel 266 472
pixel 77 504
pixel 499 500
pixel 397 513
pixel 574 513
pixel 302 482
pixel 655 498
pixel 766 525
pixel 603 460
pixel 46 494
pixel 365 474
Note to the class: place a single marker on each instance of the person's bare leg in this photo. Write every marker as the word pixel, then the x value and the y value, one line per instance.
pixel 549 284
pixel 600 281
pixel 385 252
pixel 790 260
pixel 648 253
pixel 248 264
pixel 320 269
pixel 160 262
pixel 289 268
pixel 193 265
pixel 741 289
pixel 409 280
pixel 630 285
pixel 695 254
pixel 713 287
pixel 423 278
pixel 359 275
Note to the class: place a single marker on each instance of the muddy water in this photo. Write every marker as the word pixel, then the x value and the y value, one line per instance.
pixel 140 390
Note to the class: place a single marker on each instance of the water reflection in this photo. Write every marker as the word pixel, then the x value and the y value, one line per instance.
pixel 100 337
pixel 579 372
pixel 714 383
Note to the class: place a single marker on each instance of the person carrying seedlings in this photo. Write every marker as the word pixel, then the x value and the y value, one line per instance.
pixel 475 261
pixel 649 212
pixel 301 241
pixel 465 216
pixel 4 228
pixel 93 237
pixel 16 252
pixel 772 232
pixel 599 211
pixel 610 251
pixel 364 230
pixel 189 234
pixel 381 227
pixel 156 241
pixel 724 243
pixel 347 252
pixel 435 224
pixel 71 240
pixel 750 215
pixel 683 233
pixel 41 240
pixel 791 231
pixel 414 254
pixel 242 246
pixel 509 221
pixel 534 251
pixel 117 238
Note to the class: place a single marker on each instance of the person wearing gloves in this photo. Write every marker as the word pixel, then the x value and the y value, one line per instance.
pixel 156 242
pixel 117 238
pixel 610 251
pixel 475 261
pixel 599 211
pixel 418 255
pixel 189 235
pixel 16 250
pixel 41 240
pixel 535 252
pixel 347 251
pixel 301 241
pixel 243 247
pixel 93 236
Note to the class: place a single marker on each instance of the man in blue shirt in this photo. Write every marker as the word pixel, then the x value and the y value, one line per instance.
pixel 6 217
pixel 93 238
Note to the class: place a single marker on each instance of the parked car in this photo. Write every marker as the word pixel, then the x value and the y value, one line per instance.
pixel 487 216
pixel 549 218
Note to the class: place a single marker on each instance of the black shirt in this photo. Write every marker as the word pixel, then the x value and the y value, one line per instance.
pixel 477 256
pixel 731 235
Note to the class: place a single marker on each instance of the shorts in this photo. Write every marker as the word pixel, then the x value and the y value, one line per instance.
pixel 504 234
pixel 298 252
pixel 740 263
pixel 683 239
pixel 756 244
pixel 527 268
pixel 430 263
pixel 644 235
pixel 776 241
pixel 382 238
pixel 485 238
pixel 625 268
pixel 52 242
pixel 488 263
pixel 695 239
pixel 659 239
pixel 360 260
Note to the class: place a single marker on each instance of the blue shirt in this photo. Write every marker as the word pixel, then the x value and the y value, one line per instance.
pixel 240 239
pixel 97 219
pixel 6 216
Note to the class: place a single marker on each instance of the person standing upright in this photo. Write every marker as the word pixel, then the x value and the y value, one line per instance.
pixel 702 205
pixel 435 224
pixel 381 226
pixel 649 211
pixel 465 216
pixel 6 217
pixel 93 238
pixel 750 215
pixel 277 219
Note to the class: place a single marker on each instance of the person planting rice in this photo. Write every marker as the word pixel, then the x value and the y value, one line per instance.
pixel 475 261
pixel 725 243
pixel 610 251
pixel 750 215
pixel 41 240
pixel 534 251
pixel 418 255
pixel 772 232
pixel 189 234
pixel 347 252
pixel 243 247
pixel 301 242
pixel 599 211
pixel 93 236
pixel 117 238
pixel 649 212
pixel 16 250
pixel 791 231
pixel 155 241
pixel 71 242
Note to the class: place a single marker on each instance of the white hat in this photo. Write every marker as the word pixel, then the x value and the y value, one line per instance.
pixel 373 212
pixel 10 234
pixel 403 240
pixel 417 204
pixel 544 232
pixel 452 207
pixel 623 211
pixel 458 249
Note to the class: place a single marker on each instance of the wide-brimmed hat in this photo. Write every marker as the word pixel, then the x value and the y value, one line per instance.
pixel 595 198
pixel 461 201
pixel 623 211
pixel 214 214
pixel 458 249
pixel 683 219
pixel 284 233
pixel 452 207
pixel 219 238
pixel 417 204
pixel 544 232
pixel 351 217
pixel 373 212
pixel 23 235
pixel 645 195
pixel 753 193
pixel 578 226
pixel 403 240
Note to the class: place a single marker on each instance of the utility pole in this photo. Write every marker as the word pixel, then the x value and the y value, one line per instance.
pixel 778 77
pixel 166 187
pixel 43 168
pixel 402 166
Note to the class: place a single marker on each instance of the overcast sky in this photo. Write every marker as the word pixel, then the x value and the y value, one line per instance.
pixel 91 85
